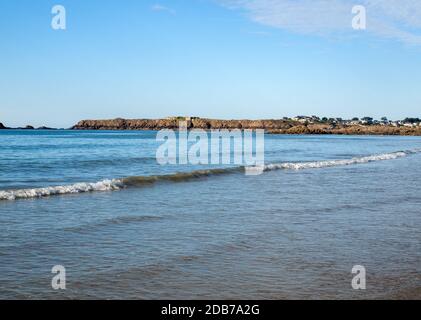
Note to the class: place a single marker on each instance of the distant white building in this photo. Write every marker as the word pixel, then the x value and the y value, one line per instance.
pixel 303 119
pixel 411 125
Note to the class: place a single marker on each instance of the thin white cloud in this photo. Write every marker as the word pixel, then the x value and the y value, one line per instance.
pixel 159 7
pixel 393 19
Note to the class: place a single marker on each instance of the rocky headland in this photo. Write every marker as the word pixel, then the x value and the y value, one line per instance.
pixel 284 126
pixel 274 126
pixel 173 123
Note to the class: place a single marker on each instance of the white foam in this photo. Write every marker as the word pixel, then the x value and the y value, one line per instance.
pixel 105 185
pixel 335 163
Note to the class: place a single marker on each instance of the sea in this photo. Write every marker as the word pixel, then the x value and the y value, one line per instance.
pixel 123 226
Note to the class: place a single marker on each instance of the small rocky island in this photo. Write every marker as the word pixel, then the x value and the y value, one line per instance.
pixel 296 125
pixel 28 127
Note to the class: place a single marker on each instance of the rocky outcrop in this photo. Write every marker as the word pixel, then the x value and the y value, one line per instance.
pixel 271 126
pixel 45 128
pixel 28 127
pixel 198 123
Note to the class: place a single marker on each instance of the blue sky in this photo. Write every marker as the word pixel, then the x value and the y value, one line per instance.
pixel 208 58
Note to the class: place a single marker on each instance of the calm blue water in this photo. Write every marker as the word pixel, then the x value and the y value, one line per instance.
pixel 283 234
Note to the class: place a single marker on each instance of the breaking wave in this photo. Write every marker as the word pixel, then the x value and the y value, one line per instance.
pixel 105 185
pixel 117 184
pixel 335 163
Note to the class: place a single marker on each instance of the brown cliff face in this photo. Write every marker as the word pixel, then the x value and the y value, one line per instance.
pixel 158 124
pixel 123 124
pixel 271 126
